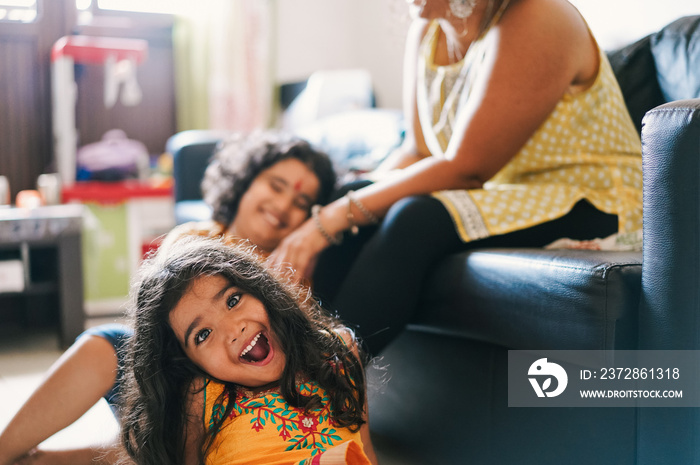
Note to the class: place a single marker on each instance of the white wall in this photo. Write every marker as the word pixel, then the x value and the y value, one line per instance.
pixel 619 22
pixel 341 34
pixel 337 34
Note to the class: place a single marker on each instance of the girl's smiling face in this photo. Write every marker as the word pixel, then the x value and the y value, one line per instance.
pixel 277 202
pixel 227 333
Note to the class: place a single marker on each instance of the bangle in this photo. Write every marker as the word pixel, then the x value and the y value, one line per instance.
pixel 317 220
pixel 371 217
pixel 354 228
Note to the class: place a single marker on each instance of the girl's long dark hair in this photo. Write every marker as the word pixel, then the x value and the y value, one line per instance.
pixel 158 374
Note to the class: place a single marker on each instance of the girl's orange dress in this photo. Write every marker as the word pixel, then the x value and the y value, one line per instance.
pixel 263 429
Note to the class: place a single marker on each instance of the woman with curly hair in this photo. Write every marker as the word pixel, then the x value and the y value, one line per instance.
pixel 222 344
pixel 260 187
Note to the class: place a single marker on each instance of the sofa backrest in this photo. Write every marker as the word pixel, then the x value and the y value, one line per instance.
pixel 635 70
pixel 659 68
pixel 676 50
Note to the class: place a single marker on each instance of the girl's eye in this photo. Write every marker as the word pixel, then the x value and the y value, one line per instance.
pixel 233 300
pixel 201 336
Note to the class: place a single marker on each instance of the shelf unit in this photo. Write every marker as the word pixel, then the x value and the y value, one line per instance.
pixel 47 241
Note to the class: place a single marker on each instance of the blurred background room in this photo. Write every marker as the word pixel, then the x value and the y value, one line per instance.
pixel 91 91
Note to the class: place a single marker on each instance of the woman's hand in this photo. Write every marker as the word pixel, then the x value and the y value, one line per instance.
pixel 299 251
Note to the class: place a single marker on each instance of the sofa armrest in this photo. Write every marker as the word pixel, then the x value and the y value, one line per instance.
pixel 671 256
pixel 670 303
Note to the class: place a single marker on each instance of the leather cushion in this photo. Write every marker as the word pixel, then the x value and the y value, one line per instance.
pixel 536 298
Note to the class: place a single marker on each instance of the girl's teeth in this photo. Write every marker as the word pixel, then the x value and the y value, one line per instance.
pixel 251 345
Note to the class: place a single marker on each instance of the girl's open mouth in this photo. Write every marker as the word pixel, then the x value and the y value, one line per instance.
pixel 258 349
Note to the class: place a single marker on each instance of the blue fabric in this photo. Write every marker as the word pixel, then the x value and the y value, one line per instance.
pixel 117 335
pixel 676 50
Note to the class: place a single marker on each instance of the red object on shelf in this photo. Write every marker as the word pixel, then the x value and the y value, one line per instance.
pixel 95 50
pixel 112 192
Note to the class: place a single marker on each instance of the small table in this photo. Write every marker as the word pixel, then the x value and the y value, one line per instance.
pixel 60 227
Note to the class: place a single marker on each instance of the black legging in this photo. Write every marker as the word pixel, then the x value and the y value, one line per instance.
pixel 375 279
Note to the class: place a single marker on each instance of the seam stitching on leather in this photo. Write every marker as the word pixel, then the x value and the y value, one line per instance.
pixel 603 266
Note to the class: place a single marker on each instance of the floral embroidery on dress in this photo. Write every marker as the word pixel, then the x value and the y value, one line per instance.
pixel 311 430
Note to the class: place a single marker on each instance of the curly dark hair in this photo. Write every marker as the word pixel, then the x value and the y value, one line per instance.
pixel 158 374
pixel 238 160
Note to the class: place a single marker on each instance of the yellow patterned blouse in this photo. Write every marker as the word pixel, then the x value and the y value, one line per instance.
pixel 263 428
pixel 588 148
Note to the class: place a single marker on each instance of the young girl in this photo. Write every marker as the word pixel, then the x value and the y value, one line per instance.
pixel 229 365
pixel 260 187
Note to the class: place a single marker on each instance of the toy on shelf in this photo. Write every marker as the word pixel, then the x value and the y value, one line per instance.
pixel 120 58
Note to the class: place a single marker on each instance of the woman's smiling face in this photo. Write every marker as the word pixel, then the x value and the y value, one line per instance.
pixel 277 202
pixel 227 333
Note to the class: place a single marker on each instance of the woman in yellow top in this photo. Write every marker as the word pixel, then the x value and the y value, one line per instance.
pixel 518 135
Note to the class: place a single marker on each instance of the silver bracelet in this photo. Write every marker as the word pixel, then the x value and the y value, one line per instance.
pixel 317 220
pixel 354 228
pixel 371 217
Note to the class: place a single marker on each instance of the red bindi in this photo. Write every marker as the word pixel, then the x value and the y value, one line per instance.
pixel 297 186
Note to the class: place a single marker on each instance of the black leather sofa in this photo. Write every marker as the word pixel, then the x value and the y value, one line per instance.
pixel 446 401
pixel 439 392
